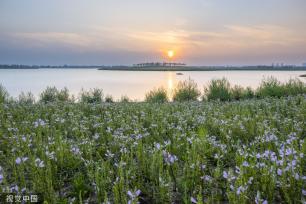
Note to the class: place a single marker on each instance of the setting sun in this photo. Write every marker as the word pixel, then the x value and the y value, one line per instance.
pixel 170 53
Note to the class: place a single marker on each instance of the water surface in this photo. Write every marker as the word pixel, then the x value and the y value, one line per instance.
pixel 133 84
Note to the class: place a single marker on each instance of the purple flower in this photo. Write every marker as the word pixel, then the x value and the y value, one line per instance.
pixel 18 160
pixel 157 146
pixel 225 175
pixel 245 164
pixel 240 190
pixel 169 159
pixel 206 178
pixel 133 195
pixel 14 189
pixel 193 200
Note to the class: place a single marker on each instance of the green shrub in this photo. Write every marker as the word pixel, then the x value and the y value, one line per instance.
pixel 109 99
pixel 186 91
pixel 219 89
pixel 270 87
pixel 52 94
pixel 157 96
pixel 26 98
pixel 3 94
pixel 92 96
pixel 295 87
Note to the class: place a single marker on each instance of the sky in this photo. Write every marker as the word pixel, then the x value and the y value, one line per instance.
pixel 114 32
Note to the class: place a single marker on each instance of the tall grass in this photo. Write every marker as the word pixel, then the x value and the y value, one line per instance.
pixel 3 94
pixel 294 87
pixel 218 89
pixel 125 99
pixel 26 98
pixel 271 87
pixel 186 91
pixel 109 99
pixel 52 94
pixel 157 96
pixel 93 96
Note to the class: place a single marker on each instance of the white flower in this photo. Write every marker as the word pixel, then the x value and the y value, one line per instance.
pixel 75 150
pixel 109 154
pixel 39 122
pixel 250 180
pixel 50 155
pixel 296 176
pixel 39 163
pixel 157 146
pixel 24 138
pixel 203 166
pixel 96 136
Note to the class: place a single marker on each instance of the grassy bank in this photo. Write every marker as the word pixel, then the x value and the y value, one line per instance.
pixel 237 152
pixel 250 150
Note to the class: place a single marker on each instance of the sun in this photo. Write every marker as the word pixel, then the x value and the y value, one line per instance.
pixel 170 53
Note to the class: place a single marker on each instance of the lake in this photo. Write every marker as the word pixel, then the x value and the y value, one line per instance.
pixel 133 84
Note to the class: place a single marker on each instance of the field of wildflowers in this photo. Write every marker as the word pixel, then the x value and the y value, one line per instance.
pixel 250 151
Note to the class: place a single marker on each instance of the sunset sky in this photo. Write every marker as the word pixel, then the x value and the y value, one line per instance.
pixel 112 32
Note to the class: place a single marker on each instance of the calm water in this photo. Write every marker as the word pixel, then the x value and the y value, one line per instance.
pixel 130 83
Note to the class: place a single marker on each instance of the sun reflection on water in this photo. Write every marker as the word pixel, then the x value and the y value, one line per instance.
pixel 170 84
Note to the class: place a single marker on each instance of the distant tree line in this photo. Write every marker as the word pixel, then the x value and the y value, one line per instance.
pixel 179 66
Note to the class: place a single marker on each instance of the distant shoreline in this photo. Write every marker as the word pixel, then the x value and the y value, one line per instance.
pixel 176 69
pixel 203 68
